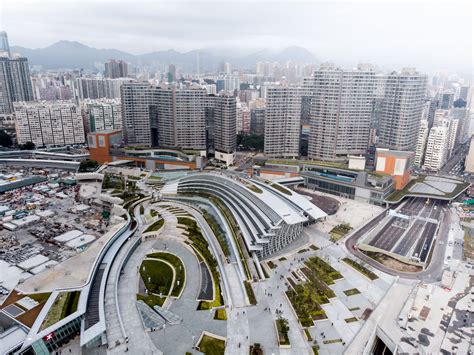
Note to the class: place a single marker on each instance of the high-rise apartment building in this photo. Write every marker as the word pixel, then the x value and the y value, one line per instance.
pixel 283 121
pixel 446 99
pixel 116 69
pixel 225 139
pixel 436 148
pixel 4 46
pixel 102 114
pixel 49 123
pixel 402 109
pixel 179 117
pixel 341 111
pixel 257 120
pixel 136 99
pixel 15 83
pixel 421 144
pixel 93 88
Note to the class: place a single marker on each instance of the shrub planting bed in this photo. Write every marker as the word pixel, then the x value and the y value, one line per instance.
pixel 362 269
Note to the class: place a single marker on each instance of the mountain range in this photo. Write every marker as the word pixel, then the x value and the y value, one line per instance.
pixel 75 55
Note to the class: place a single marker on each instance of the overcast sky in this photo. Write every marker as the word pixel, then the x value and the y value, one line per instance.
pixel 421 33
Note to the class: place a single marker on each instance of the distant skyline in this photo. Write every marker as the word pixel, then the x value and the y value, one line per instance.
pixel 425 34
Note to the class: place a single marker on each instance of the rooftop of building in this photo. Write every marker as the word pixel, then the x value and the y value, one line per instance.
pixel 430 186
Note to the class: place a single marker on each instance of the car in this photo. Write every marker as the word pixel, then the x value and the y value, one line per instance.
pixel 450 244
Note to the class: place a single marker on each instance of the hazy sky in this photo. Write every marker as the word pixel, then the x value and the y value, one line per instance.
pixel 430 34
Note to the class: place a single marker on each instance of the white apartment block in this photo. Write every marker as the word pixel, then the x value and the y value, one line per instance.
pixel 341 111
pixel 437 148
pixel 421 143
pixel 49 123
pixel 102 114
pixel 282 121
pixel 402 110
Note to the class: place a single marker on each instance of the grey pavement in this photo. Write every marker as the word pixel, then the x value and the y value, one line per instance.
pixel 139 339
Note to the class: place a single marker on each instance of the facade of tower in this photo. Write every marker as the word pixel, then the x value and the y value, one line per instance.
pixel 49 124
pixel 283 121
pixel 136 99
pixel 15 83
pixel 402 109
pixel 341 112
pixel 116 69
pixel 225 121
pixel 257 120
pixel 102 114
pixel 92 88
pixel 4 46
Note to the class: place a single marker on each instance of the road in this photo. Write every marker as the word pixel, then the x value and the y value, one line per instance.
pixel 454 164
pixel 431 274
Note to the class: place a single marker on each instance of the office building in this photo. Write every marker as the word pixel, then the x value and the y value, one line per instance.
pixel 402 109
pixel 283 121
pixel 49 123
pixel 116 69
pixel 15 83
pixel 102 114
pixel 257 120
pixel 341 111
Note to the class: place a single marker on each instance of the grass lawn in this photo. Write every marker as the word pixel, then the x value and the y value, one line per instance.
pixel 220 314
pixel 64 305
pixel 154 213
pixel 157 276
pixel 202 248
pixel 332 341
pixel 362 269
pixel 155 226
pixel 313 247
pixel 178 267
pixel 40 297
pixel 351 292
pixel 254 188
pixel 339 231
pixel 282 189
pixel 218 232
pixel 468 244
pixel 151 300
pixel 211 346
pixel 282 258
